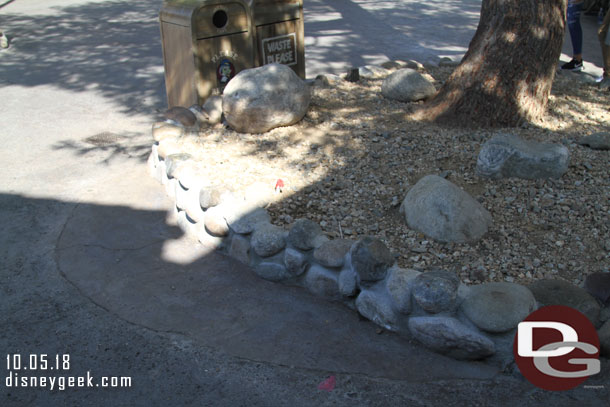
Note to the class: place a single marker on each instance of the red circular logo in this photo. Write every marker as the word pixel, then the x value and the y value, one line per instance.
pixel 556 348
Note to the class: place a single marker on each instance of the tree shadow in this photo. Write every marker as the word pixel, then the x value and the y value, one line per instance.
pixel 113 145
pixel 112 48
pixel 122 292
pixel 138 266
pixel 6 3
pixel 385 30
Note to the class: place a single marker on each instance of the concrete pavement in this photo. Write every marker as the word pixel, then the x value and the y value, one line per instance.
pixel 344 33
pixel 93 268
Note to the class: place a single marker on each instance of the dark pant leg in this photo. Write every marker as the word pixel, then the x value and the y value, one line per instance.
pixel 575 28
pixel 602 33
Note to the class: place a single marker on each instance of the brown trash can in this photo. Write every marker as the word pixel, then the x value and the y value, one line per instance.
pixel 279 33
pixel 207 42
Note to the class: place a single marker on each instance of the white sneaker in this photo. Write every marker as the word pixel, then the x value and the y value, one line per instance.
pixel 3 40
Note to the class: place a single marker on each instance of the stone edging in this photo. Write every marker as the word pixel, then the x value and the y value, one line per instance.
pixel 432 307
pixel 435 308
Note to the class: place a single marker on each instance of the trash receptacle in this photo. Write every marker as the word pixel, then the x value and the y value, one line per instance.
pixel 205 43
pixel 279 33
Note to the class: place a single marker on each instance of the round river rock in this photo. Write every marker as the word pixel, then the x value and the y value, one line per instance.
pixel 370 259
pixel 268 240
pixel 435 291
pixel 304 234
pixel 332 253
pixel 498 307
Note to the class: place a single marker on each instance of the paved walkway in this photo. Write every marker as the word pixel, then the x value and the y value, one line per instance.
pixel 345 33
pixel 93 268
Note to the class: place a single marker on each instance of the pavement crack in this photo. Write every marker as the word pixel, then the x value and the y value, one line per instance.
pixel 113 249
pixel 57 249
pixel 65 225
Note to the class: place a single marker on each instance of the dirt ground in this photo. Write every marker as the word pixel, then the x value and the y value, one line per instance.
pixel 349 164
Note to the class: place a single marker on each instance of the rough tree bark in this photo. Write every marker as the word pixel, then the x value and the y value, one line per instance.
pixel 505 77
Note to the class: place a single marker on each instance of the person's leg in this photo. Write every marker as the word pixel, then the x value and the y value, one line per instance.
pixel 573 21
pixel 575 28
pixel 602 34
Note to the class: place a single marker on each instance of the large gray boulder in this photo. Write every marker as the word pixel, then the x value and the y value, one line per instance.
pixel 260 99
pixel 407 85
pixel 507 155
pixel 444 212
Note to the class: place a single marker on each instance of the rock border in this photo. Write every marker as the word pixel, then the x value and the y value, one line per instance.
pixel 433 307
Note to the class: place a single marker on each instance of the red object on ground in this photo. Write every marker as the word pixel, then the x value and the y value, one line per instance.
pixel 328 384
pixel 279 184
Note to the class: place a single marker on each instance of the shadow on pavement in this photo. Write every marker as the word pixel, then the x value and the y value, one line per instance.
pixel 131 263
pixel 357 32
pixel 112 48
pixel 139 268
pixel 190 302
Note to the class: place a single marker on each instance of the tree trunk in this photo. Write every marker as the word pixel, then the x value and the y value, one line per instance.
pixel 506 76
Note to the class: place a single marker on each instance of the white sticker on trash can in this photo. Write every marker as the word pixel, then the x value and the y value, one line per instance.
pixel 280 50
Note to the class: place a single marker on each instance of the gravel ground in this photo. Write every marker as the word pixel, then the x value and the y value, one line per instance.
pixel 351 161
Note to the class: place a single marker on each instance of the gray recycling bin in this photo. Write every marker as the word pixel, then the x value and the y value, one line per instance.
pixel 207 42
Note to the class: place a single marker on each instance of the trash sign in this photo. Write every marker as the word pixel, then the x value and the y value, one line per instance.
pixel 280 50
